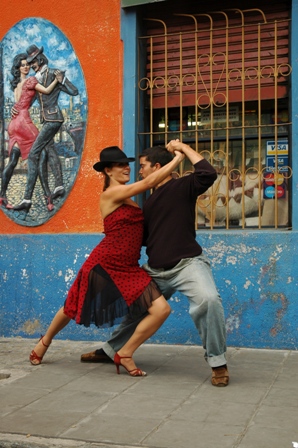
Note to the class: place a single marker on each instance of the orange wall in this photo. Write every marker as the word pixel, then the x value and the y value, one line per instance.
pixel 93 28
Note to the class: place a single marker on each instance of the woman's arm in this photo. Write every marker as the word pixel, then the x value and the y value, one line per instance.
pixel 46 90
pixel 119 193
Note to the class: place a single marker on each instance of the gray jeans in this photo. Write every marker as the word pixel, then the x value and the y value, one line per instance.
pixel 193 278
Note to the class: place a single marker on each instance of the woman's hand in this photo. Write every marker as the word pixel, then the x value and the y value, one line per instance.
pixel 175 145
pixel 191 154
pixel 179 154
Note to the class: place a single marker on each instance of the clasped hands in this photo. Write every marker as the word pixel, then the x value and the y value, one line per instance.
pixel 59 75
pixel 176 147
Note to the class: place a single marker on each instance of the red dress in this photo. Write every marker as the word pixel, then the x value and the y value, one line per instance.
pixel 21 129
pixel 110 281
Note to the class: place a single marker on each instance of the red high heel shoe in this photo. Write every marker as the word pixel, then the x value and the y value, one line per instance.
pixel 49 202
pixel 133 372
pixel 34 357
pixel 5 203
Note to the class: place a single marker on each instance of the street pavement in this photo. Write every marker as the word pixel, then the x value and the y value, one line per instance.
pixel 65 403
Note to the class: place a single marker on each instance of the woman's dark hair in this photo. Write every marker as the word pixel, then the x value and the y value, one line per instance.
pixel 107 179
pixel 15 69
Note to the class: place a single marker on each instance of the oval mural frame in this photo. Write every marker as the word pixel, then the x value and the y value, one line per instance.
pixel 68 140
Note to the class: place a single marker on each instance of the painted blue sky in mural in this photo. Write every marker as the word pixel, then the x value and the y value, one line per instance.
pixel 57 49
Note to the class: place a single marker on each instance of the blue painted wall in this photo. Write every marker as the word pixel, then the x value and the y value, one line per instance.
pixel 255 272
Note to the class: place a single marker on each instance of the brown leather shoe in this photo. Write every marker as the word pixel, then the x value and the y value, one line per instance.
pixel 97 356
pixel 220 376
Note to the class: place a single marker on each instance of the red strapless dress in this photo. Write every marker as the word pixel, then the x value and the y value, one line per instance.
pixel 111 283
pixel 21 129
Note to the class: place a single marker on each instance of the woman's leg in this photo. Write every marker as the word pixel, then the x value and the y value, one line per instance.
pixel 157 314
pixel 58 323
pixel 8 170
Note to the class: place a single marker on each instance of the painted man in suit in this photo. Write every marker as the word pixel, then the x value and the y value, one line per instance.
pixel 51 117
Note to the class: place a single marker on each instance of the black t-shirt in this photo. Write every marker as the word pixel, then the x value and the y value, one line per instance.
pixel 170 217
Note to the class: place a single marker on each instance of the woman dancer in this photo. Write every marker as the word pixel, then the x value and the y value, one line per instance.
pixel 21 130
pixel 111 283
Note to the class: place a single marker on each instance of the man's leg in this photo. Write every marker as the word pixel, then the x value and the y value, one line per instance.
pixel 56 169
pixel 46 134
pixel 193 278
pixel 44 178
pixel 43 172
pixel 121 335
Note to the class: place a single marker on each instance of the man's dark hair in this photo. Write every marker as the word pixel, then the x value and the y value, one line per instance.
pixel 157 154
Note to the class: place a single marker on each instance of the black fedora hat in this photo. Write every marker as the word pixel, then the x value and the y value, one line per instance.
pixel 111 154
pixel 32 52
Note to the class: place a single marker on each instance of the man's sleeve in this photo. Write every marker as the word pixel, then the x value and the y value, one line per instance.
pixel 68 87
pixel 204 176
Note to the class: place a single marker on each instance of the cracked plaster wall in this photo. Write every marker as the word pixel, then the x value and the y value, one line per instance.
pixel 255 273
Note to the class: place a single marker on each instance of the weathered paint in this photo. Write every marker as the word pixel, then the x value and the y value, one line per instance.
pixel 255 273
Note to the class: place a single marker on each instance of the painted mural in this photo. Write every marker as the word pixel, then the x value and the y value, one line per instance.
pixel 43 121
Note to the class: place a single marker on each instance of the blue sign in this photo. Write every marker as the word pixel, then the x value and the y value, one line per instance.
pixel 282 163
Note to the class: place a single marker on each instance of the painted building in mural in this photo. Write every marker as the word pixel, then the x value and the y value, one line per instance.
pixel 222 79
pixel 59 153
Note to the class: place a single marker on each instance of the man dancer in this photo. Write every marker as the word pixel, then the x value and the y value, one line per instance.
pixel 51 119
pixel 175 259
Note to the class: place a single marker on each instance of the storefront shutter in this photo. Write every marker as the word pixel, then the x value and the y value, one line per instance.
pixel 230 55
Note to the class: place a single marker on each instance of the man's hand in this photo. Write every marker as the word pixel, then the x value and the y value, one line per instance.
pixel 191 154
pixel 14 112
pixel 174 145
pixel 59 75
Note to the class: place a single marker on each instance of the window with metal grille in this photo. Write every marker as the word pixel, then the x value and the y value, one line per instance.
pixel 220 81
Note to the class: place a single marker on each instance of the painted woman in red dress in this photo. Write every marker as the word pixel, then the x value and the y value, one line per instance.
pixel 21 130
pixel 111 284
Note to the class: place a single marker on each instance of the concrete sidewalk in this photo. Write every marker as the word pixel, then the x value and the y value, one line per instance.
pixel 66 403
